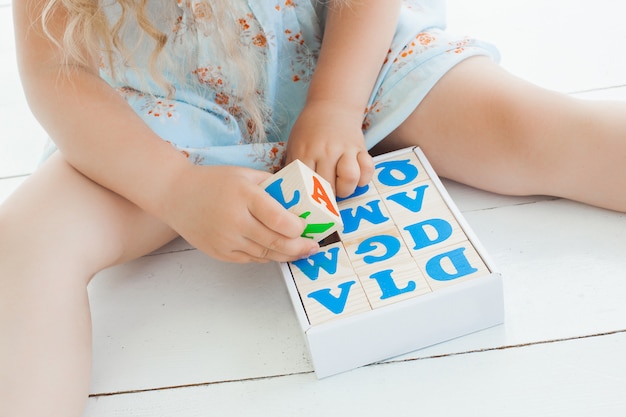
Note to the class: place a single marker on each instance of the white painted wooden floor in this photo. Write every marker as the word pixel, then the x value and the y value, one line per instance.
pixel 178 334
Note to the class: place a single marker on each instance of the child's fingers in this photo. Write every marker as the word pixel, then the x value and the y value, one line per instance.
pixel 348 175
pixel 279 250
pixel 352 171
pixel 277 229
pixel 274 216
pixel 327 169
pixel 267 244
pixel 366 165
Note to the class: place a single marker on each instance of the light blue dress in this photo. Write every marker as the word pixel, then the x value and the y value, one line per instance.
pixel 201 119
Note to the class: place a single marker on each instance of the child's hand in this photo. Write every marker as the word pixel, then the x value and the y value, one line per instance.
pixel 223 211
pixel 330 140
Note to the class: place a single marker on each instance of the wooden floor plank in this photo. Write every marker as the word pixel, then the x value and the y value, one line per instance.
pixel 581 377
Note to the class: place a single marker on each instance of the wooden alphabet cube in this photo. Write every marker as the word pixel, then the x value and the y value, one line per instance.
pixel 330 263
pixel 328 286
pixel 362 216
pixel 407 273
pixel 398 172
pixel 451 265
pixel 303 192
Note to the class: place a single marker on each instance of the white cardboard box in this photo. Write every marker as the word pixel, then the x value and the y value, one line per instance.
pixel 454 310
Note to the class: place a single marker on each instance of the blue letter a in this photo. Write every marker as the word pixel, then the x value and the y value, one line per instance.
pixel 334 304
pixel 413 204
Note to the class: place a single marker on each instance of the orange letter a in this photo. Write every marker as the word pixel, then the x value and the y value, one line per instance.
pixel 319 195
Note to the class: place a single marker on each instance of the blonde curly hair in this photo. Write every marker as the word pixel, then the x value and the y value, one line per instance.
pixel 90 36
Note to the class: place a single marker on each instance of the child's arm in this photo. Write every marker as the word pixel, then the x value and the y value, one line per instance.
pixel 328 135
pixel 220 210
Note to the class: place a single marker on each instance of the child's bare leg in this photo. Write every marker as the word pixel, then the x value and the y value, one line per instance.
pixel 56 232
pixel 484 127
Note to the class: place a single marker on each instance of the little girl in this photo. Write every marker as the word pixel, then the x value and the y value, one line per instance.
pixel 166 115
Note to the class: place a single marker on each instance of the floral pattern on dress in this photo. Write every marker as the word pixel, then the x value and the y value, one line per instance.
pixel 271 155
pixel 196 25
pixel 303 54
pixel 154 107
pixel 458 47
pixel 204 120
pixel 373 109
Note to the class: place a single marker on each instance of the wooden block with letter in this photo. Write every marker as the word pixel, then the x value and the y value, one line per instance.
pixel 385 267
pixel 303 192
pixel 407 272
pixel 328 286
